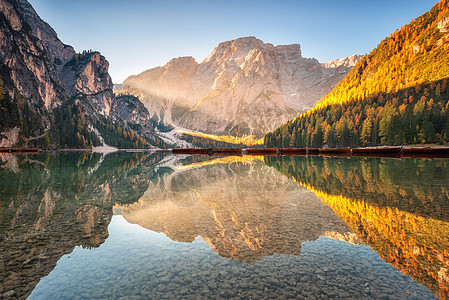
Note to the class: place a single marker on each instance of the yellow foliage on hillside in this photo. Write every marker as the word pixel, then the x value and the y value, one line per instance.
pixel 415 54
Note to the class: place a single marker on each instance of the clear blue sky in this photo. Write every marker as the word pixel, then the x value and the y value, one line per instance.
pixel 136 35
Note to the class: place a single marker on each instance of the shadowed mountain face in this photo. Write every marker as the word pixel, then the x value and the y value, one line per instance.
pixel 243 210
pixel 52 203
pixel 243 87
pixel 52 96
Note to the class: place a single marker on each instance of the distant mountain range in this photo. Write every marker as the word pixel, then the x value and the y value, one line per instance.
pixel 397 94
pixel 244 87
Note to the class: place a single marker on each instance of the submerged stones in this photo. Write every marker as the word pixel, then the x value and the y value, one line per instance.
pixel 168 270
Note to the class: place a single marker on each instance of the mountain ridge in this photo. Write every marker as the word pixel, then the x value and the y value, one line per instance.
pixel 238 80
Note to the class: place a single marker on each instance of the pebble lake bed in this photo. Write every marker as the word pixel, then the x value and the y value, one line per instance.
pixel 135 263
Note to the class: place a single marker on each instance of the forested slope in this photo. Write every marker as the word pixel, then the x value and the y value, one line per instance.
pixel 397 94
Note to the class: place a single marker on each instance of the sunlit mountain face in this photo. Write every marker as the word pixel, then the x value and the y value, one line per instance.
pixel 238 80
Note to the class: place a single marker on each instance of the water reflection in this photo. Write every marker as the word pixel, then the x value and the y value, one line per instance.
pixel 55 211
pixel 51 203
pixel 398 207
pixel 243 209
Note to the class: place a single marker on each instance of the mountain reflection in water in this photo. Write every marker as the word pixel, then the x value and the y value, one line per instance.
pixel 400 208
pixel 245 208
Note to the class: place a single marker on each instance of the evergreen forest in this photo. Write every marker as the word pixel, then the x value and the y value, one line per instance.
pixel 397 94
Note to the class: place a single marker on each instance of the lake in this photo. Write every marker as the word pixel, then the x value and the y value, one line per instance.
pixel 81 225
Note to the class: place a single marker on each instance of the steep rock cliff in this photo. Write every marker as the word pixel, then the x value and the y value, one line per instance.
pixel 51 95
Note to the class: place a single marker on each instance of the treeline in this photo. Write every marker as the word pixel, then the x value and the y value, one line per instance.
pixel 413 55
pixel 20 113
pixel 9 111
pixel 411 116
pixel 71 128
pixel 209 143
pixel 117 134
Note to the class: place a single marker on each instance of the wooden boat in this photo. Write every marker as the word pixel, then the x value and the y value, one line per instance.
pixel 31 150
pixel 313 151
pixel 377 151
pixel 439 152
pixel 227 151
pixel 335 151
pixel 19 150
pixel 192 151
pixel 261 151
pixel 293 151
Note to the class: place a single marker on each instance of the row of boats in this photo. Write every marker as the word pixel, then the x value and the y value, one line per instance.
pixel 436 152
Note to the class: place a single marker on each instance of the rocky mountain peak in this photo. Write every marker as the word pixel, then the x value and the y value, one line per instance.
pixel 180 61
pixel 348 62
pixel 236 49
pixel 47 37
pixel 86 73
pixel 244 86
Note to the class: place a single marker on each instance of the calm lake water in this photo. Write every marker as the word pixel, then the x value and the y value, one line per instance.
pixel 155 226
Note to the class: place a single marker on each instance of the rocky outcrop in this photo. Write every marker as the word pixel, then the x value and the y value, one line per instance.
pixel 87 75
pixel 244 86
pixel 10 137
pixel 133 113
pixel 443 25
pixel 31 56
pixel 39 75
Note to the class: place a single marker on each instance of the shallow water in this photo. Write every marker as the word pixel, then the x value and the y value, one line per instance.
pixel 135 225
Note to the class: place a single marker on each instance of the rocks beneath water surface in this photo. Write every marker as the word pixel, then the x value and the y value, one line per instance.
pixel 325 269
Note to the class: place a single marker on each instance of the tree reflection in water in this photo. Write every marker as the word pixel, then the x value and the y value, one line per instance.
pixel 400 208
